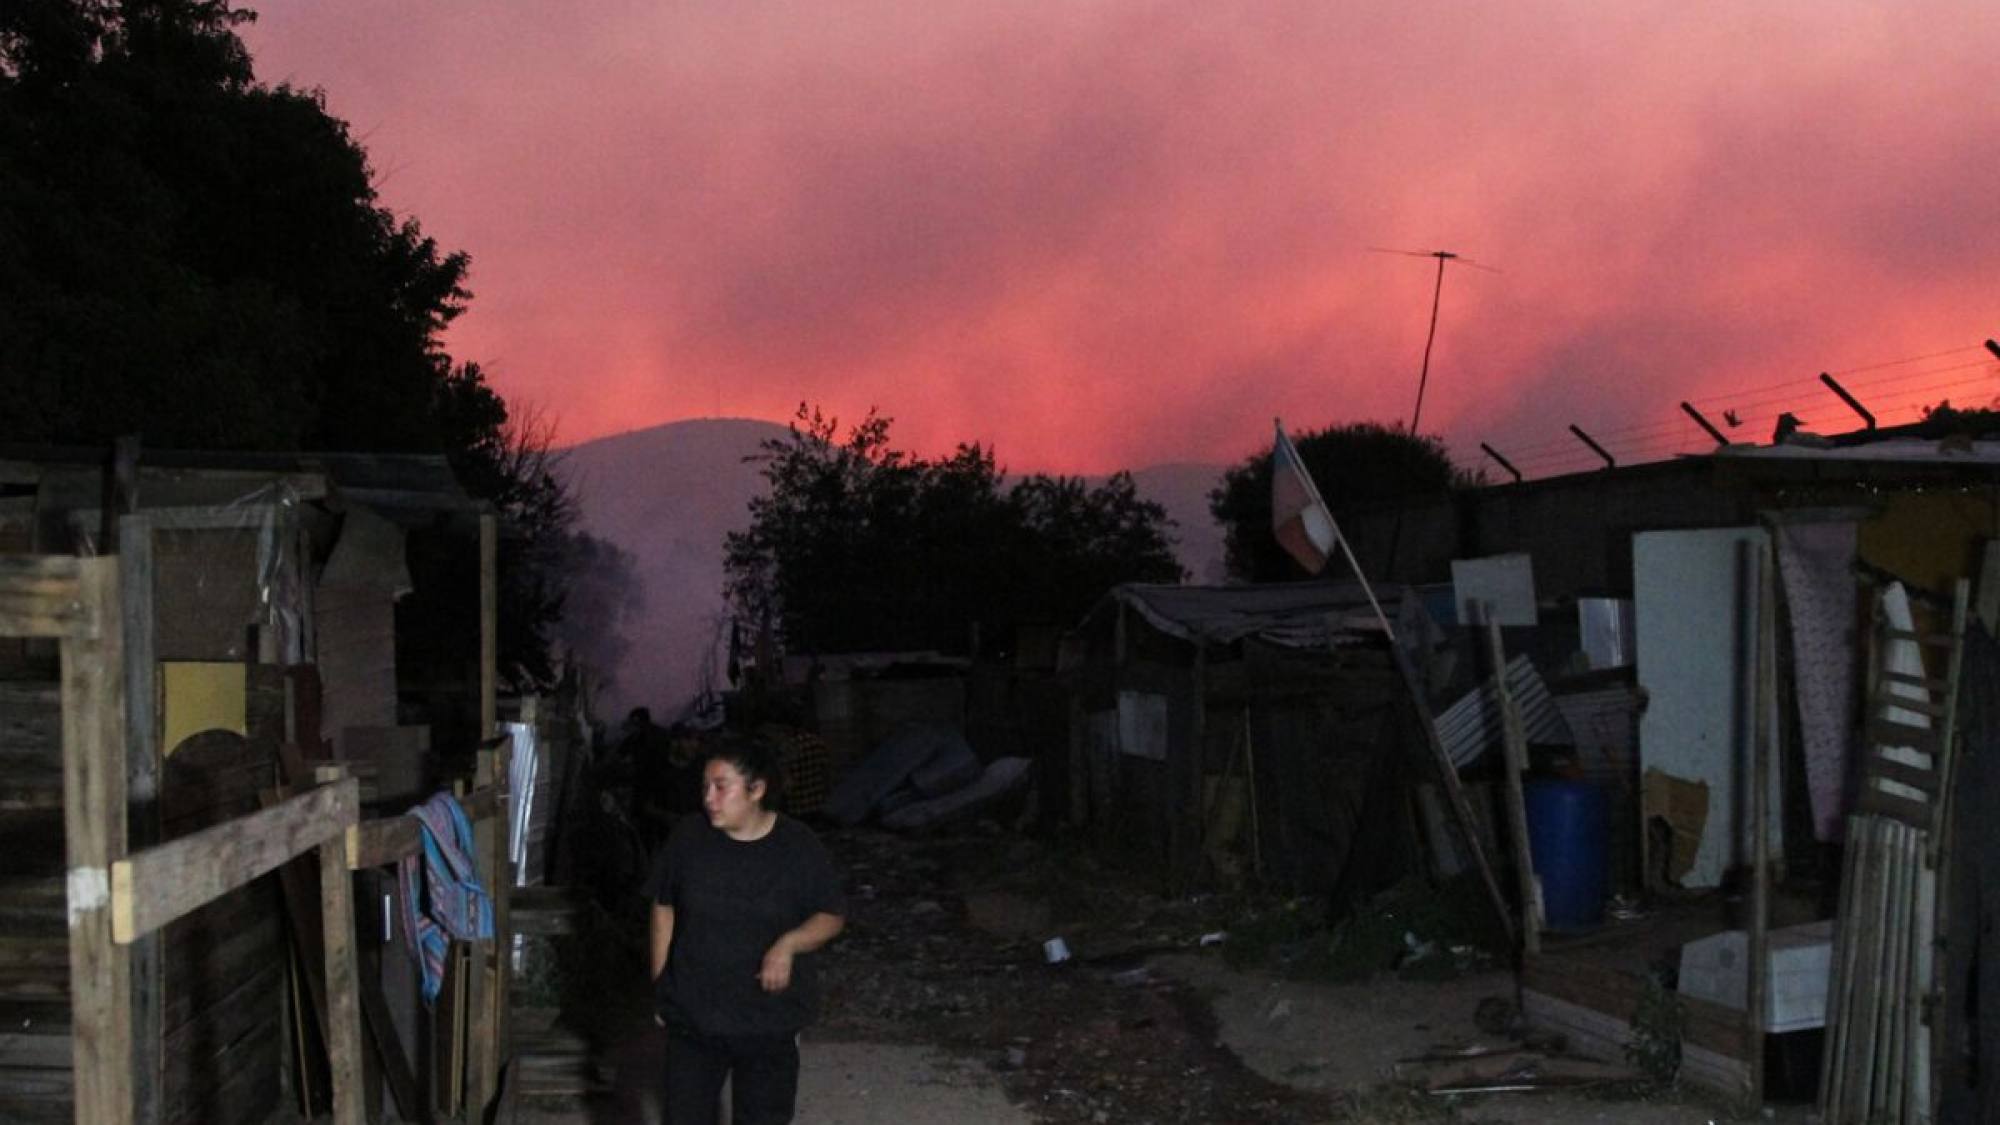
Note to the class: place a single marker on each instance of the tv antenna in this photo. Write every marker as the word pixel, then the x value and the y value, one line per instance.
pixel 1437 291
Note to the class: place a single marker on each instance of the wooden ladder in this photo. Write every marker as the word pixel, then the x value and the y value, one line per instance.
pixel 1882 997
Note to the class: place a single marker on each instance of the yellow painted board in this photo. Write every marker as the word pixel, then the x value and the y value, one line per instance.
pixel 199 695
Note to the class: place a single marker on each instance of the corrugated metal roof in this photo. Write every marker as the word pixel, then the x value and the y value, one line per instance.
pixel 1292 614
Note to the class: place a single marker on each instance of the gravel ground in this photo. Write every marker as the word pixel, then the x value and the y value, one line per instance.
pixel 940 1007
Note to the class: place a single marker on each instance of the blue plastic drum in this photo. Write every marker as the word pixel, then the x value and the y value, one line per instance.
pixel 1569 840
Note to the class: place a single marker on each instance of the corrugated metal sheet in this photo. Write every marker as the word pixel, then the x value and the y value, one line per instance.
pixel 1472 724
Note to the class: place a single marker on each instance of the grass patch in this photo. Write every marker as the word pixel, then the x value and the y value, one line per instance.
pixel 1419 930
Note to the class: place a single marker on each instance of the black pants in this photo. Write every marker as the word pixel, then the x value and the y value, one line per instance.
pixel 764 1070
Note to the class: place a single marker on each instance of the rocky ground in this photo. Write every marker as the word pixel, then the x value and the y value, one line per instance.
pixel 942 1006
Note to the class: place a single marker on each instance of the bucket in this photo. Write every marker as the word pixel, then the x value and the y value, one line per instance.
pixel 1568 839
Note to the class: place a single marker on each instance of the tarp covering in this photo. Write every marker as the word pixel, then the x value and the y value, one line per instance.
pixel 1292 614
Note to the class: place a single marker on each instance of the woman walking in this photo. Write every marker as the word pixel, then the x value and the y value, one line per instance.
pixel 742 898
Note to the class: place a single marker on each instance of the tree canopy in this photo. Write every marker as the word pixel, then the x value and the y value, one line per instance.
pixel 1354 465
pixel 191 256
pixel 860 546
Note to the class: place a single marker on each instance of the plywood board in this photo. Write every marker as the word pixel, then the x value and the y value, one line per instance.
pixel 1696 628
pixel 201 695
pixel 1499 588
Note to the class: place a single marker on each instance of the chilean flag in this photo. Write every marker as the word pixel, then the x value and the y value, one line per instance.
pixel 1299 518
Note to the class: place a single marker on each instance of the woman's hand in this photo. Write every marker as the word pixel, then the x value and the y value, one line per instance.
pixel 776 975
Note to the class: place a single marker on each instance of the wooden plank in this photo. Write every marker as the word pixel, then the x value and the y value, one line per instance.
pixel 489 624
pixel 156 886
pixel 381 1027
pixel 1876 765
pixel 448 1034
pixel 1916 814
pixel 1934 640
pixel 343 1004
pixel 1842 959
pixel 384 840
pixel 485 999
pixel 1888 732
pixel 1765 703
pixel 94 771
pixel 1927 683
pixel 503 905
pixel 142 787
pixel 42 575
pixel 1514 744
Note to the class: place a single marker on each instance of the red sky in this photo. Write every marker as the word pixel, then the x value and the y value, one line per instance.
pixel 1109 233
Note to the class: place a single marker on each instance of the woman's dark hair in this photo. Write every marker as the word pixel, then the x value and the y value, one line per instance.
pixel 754 759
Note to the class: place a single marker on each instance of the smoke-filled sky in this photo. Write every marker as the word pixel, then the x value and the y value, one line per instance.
pixel 1109 233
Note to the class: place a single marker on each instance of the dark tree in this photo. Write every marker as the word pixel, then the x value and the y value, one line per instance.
pixel 1354 465
pixel 859 546
pixel 194 257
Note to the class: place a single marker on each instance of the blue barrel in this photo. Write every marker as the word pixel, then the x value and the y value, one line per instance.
pixel 1569 837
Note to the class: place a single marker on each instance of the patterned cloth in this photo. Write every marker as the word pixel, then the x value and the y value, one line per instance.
pixel 453 904
pixel 1816 565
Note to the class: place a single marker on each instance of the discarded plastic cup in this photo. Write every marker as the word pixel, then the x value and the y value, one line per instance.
pixel 1056 950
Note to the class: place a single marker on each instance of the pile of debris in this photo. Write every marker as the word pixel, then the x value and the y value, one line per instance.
pixel 1094 1037
pixel 921 777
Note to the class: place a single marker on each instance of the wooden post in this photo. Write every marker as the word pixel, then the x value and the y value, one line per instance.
pixel 1763 708
pixel 489 624
pixel 343 1003
pixel 1079 766
pixel 483 977
pixel 1184 825
pixel 142 779
pixel 1250 774
pixel 480 1059
pixel 94 770
pixel 503 904
pixel 1514 744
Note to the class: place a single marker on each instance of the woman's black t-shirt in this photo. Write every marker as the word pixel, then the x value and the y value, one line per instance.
pixel 732 899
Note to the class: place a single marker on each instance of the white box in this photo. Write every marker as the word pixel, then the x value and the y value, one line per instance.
pixel 1800 960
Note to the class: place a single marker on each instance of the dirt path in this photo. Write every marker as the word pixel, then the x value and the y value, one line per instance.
pixel 940 1008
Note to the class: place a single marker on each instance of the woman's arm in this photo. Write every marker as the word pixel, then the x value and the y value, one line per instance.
pixel 776 975
pixel 663 937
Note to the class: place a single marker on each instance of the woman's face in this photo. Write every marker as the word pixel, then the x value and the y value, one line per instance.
pixel 732 804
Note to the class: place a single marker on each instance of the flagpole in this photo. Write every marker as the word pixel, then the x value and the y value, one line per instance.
pixel 1312 490
pixel 1448 773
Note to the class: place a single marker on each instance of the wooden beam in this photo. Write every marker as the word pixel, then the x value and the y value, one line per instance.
pixel 93 679
pixel 142 782
pixel 503 902
pixel 41 596
pixel 486 996
pixel 343 999
pixel 384 840
pixel 1763 710
pixel 1514 746
pixel 489 624
pixel 158 885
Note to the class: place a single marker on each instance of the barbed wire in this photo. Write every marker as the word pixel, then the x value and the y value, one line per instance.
pixel 1892 399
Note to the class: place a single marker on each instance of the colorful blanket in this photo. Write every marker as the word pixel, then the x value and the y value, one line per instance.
pixel 447 902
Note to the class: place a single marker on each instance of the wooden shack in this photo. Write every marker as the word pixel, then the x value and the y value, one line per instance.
pixel 260 597
pixel 1247 730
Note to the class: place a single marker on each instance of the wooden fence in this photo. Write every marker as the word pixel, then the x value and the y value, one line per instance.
pixel 116 900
